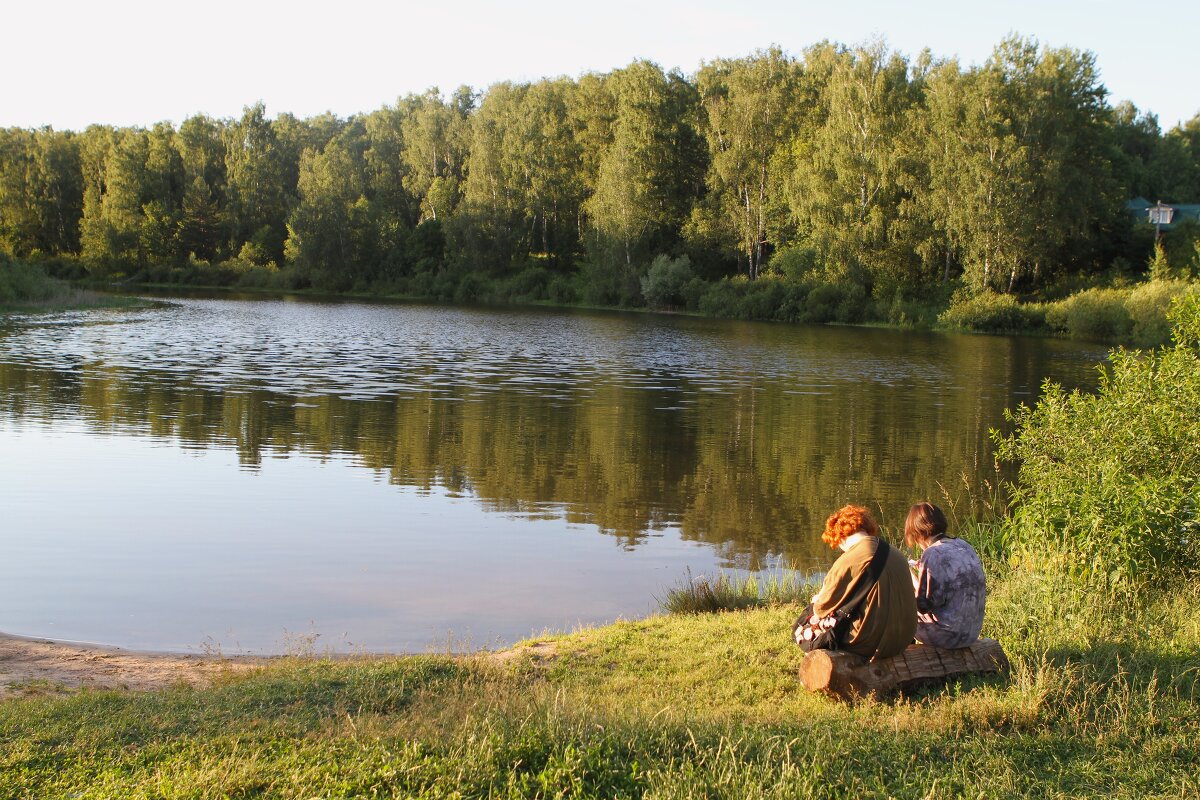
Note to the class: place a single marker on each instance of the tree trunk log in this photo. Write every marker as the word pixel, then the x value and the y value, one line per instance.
pixel 845 675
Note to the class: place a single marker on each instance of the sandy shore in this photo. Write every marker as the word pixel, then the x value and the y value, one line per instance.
pixel 30 665
pixel 38 666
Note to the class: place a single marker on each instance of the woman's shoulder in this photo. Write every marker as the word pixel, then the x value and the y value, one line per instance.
pixel 949 547
pixel 952 554
pixel 840 564
pixel 857 557
pixel 964 548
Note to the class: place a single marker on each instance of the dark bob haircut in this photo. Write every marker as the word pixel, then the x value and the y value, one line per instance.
pixel 925 523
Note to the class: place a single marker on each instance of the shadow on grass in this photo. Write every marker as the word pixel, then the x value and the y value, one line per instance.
pixel 1142 668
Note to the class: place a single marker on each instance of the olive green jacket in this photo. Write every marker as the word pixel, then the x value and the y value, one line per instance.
pixel 888 616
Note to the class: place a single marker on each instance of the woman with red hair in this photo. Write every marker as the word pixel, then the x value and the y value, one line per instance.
pixel 882 622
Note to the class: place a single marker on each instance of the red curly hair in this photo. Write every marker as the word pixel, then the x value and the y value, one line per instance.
pixel 847 521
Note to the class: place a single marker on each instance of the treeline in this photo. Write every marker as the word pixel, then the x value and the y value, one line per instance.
pixel 842 174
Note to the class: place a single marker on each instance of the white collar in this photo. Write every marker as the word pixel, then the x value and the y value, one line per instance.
pixel 852 540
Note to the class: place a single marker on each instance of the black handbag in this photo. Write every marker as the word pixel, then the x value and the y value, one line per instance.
pixel 830 632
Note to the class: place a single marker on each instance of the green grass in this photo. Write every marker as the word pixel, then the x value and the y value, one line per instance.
pixel 696 705
pixel 696 594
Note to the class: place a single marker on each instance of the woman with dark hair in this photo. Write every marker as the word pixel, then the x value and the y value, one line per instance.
pixel 882 623
pixel 950 587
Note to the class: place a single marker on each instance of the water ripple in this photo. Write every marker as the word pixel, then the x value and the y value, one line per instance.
pixel 360 351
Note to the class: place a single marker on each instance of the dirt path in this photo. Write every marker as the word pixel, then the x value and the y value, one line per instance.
pixel 37 665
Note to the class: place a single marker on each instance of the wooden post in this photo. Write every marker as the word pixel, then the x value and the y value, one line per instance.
pixel 845 675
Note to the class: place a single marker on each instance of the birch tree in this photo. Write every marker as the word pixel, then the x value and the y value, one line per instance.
pixel 749 118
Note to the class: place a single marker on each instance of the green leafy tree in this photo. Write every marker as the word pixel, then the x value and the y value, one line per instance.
pixel 41 191
pixel 525 184
pixel 749 121
pixel 257 186
pixel 116 188
pixel 203 225
pixel 490 228
pixel 59 190
pixel 20 217
pixel 649 176
pixel 1183 144
pixel 320 240
pixel 94 145
pixel 546 158
pixel 435 140
pixel 849 189
pixel 1146 163
pixel 1018 159
pixel 162 208
pixel 385 167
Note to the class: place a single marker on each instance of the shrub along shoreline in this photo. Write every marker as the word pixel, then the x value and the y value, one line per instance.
pixel 1129 314
pixel 26 288
pixel 1092 591
pixel 1134 315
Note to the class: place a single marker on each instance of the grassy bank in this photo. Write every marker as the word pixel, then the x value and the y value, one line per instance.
pixel 1131 315
pixel 679 706
pixel 28 288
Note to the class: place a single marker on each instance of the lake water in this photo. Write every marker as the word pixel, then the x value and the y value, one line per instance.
pixel 265 475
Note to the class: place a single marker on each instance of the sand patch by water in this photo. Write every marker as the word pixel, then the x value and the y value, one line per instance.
pixel 40 666
pixel 29 666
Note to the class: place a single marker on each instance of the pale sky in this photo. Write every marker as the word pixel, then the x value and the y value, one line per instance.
pixel 135 62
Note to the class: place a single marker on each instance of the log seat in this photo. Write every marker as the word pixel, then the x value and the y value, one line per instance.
pixel 845 675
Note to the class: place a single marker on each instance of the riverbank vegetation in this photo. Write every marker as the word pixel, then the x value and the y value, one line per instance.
pixel 1110 482
pixel 844 184
pixel 1092 593
pixel 1131 314
pixel 28 287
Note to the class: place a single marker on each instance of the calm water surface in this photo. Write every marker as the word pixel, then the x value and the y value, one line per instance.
pixel 259 475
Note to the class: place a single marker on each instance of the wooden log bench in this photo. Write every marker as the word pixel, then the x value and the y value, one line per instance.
pixel 846 675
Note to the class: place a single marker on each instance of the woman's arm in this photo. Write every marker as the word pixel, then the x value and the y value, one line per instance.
pixel 926 584
pixel 837 584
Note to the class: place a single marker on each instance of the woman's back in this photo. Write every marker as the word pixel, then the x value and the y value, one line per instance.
pixel 886 619
pixel 951 594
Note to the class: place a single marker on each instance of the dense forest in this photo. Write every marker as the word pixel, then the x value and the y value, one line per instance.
pixel 810 186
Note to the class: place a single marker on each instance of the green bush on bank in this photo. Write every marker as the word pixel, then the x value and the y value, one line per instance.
pixel 781 300
pixel 1109 484
pixel 1148 305
pixel 665 281
pixel 1134 315
pixel 903 311
pixel 990 312
pixel 1093 314
pixel 27 284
